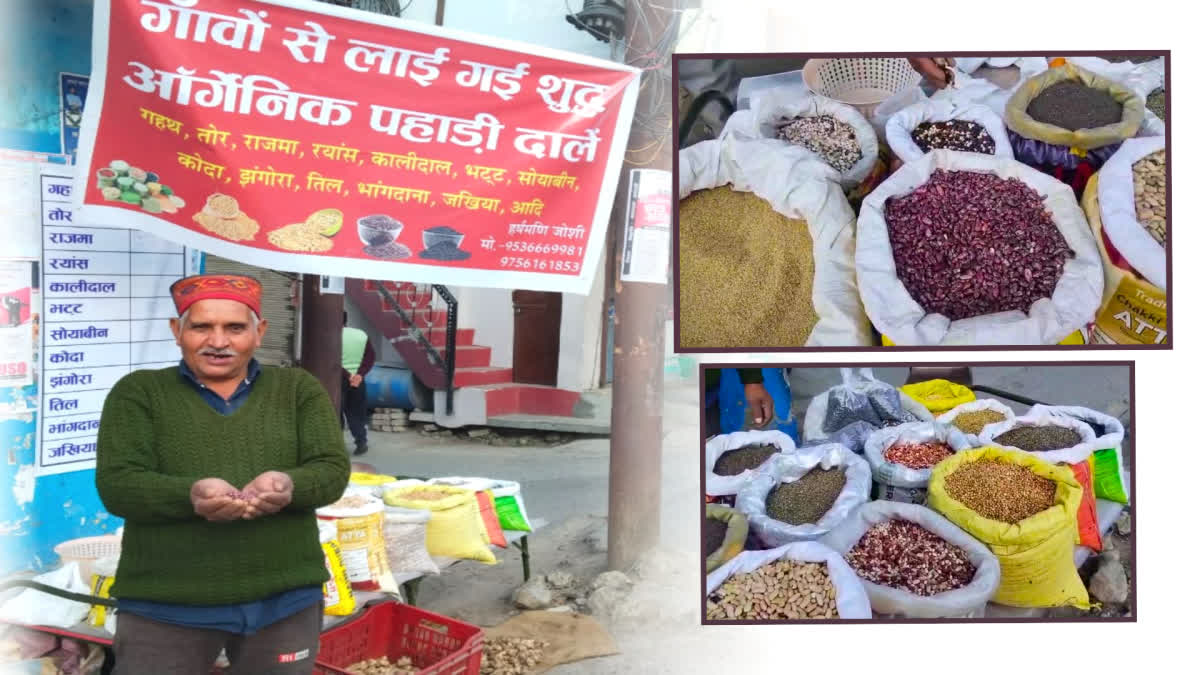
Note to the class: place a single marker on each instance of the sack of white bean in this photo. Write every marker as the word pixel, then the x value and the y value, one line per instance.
pixel 752 450
pixel 904 456
pixel 938 573
pixel 860 404
pixel 1108 467
pixel 801 496
pixel 1024 510
pixel 951 245
pixel 972 418
pixel 902 125
pixel 798 188
pixel 850 597
pixel 829 131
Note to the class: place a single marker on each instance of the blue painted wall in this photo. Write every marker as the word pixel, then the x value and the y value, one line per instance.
pixel 41 38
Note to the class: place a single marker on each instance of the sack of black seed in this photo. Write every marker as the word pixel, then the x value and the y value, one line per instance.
pixel 914 563
pixel 1051 437
pixel 852 411
pixel 803 125
pixel 731 460
pixel 943 125
pixel 801 496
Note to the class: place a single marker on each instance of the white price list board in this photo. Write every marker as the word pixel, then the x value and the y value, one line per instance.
pixel 106 304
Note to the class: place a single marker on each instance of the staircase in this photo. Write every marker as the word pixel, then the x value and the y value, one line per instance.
pixel 420 321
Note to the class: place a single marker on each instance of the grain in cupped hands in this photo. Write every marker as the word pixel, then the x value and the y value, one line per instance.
pixel 745 273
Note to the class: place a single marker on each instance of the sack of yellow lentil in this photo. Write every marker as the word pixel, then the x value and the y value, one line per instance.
pixel 736 529
pixel 766 250
pixel 939 395
pixel 1036 553
pixel 455 528
pixel 972 418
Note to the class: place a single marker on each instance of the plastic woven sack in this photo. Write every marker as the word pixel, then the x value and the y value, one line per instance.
pixel 510 507
pixel 898 475
pixel 939 395
pixel 1036 555
pixel 976 406
pixel 902 125
pixel 752 500
pixel 849 594
pixel 897 315
pixel 730 485
pixel 1018 120
pixel 735 535
pixel 969 601
pixel 491 522
pixel 1133 310
pixel 404 533
pixel 1108 475
pixel 455 528
pixel 1118 211
pixel 799 187
pixel 1043 417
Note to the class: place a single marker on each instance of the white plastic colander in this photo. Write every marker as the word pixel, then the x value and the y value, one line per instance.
pixel 861 83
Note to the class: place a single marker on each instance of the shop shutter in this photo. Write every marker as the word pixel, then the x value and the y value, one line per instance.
pixel 278 345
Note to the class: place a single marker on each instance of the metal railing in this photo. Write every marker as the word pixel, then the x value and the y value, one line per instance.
pixel 418 332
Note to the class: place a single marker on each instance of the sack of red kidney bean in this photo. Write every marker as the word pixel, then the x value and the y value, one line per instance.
pixel 964 248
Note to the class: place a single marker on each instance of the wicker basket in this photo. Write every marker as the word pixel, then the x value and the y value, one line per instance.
pixel 87 551
pixel 861 83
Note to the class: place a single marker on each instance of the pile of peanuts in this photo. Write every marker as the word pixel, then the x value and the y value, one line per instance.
pixel 784 589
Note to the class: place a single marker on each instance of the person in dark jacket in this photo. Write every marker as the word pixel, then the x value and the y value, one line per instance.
pixel 358 357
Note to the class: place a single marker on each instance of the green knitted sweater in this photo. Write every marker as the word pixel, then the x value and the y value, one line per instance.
pixel 158 437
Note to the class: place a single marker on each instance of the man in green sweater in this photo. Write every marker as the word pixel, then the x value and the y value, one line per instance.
pixel 217 466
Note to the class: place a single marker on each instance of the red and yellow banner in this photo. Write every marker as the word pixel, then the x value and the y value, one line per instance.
pixel 312 138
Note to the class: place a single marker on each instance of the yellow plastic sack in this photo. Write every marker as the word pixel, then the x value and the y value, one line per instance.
pixel 101 585
pixel 1037 555
pixel 1133 311
pixel 939 396
pixel 370 479
pixel 456 528
pixel 1017 119
pixel 735 535
pixel 339 598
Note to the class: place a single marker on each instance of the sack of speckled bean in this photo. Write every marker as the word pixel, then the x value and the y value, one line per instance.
pixel 802 580
pixel 1024 510
pixel 960 248
pixel 902 458
pixel 914 563
pixel 732 460
pixel 801 496
pixel 766 243
pixel 810 126
pixel 971 418
pixel 725 533
pixel 934 125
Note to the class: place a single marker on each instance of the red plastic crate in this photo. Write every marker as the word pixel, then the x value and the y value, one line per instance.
pixel 437 644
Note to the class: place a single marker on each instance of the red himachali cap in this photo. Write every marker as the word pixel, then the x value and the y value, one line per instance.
pixel 189 290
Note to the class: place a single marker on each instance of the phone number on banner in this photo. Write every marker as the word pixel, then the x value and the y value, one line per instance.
pixel 540 265
pixel 551 249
